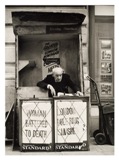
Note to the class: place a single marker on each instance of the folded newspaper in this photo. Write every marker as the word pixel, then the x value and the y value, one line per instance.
pixel 65 94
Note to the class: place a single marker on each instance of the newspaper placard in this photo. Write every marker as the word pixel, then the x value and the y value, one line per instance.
pixel 106 89
pixel 71 125
pixel 50 57
pixel 106 44
pixel 36 126
pixel 106 54
pixel 106 67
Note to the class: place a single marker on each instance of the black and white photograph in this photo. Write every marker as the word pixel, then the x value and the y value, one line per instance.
pixel 59 79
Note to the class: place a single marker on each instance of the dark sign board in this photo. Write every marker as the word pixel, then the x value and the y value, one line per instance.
pixel 63 29
pixel 106 78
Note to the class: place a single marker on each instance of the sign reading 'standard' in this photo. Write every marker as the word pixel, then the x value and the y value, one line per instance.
pixel 36 126
pixel 71 124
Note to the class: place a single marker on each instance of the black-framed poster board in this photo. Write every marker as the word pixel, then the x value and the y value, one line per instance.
pixel 71 123
pixel 106 86
pixel 36 125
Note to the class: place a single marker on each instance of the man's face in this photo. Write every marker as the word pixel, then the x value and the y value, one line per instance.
pixel 57 76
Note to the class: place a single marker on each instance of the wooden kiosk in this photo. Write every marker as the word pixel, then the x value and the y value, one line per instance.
pixel 58 124
pixel 43 40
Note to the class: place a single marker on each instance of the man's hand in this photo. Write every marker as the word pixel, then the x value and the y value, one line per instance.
pixel 78 93
pixel 51 89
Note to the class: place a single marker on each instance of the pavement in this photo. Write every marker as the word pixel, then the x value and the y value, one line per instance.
pixel 95 149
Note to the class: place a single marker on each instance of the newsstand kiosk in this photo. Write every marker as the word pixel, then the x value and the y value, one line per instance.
pixel 43 40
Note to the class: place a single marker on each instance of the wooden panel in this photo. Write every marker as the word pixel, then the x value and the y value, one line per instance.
pixel 9 97
pixel 30 50
pixel 30 30
pixel 30 92
pixel 41 18
pixel 69 57
pixel 8 18
pixel 22 64
pixel 80 65
pixel 10 53
pixel 9 35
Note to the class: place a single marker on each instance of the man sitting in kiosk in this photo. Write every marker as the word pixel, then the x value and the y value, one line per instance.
pixel 58 81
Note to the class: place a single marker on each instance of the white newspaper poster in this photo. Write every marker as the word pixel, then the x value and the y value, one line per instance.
pixel 106 67
pixel 106 89
pixel 36 125
pixel 106 54
pixel 70 125
pixel 50 57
